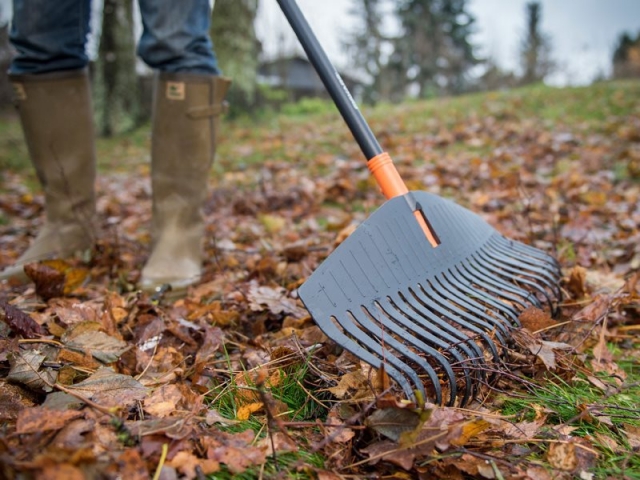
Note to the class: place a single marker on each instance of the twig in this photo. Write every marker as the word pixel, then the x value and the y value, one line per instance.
pixel 163 457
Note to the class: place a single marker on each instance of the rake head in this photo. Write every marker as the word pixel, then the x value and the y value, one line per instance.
pixel 434 317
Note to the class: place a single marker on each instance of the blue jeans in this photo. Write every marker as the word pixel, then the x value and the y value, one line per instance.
pixel 51 35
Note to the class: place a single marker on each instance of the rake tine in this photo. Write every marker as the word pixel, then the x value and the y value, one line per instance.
pixel 449 316
pixel 407 334
pixel 517 278
pixel 462 285
pixel 364 352
pixel 480 319
pixel 444 331
pixel 521 268
pixel 461 338
pixel 529 264
pixel 517 250
pixel 500 288
pixel 396 369
pixel 386 341
pixel 450 310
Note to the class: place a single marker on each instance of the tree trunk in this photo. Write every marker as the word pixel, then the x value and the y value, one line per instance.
pixel 116 84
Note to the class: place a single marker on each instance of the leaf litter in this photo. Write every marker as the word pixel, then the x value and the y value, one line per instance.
pixel 236 378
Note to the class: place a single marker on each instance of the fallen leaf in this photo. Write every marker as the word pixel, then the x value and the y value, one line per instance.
pixel 103 347
pixel 577 283
pixel 390 452
pixel 279 442
pixel 72 435
pixel 163 401
pixel 110 389
pixel 42 419
pixel 235 450
pixel 274 300
pixel 209 347
pixel 245 411
pixel 523 430
pixel 13 399
pixel 187 464
pixel 25 369
pixel 353 384
pixel 534 319
pixel 132 466
pixel 393 422
pixel 19 322
pixel 470 430
pixel 55 278
pixel 341 433
pixel 272 223
pixel 58 471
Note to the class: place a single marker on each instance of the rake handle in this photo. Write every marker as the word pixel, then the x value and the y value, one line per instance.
pixel 331 80
pixel 378 161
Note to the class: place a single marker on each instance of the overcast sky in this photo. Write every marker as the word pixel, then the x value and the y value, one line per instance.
pixel 583 32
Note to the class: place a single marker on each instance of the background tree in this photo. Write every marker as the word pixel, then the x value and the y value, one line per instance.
pixel 6 54
pixel 237 47
pixel 535 50
pixel 371 51
pixel 116 84
pixel 435 44
pixel 626 56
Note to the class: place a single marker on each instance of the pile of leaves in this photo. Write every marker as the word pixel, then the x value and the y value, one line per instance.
pixel 99 380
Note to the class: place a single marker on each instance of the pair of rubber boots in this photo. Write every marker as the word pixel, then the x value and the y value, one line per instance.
pixel 56 116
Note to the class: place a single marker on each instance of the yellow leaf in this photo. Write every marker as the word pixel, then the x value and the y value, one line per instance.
pixel 470 430
pixel 245 411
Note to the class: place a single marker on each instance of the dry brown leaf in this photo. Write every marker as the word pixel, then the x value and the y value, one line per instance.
pixel 390 452
pixel 534 319
pixel 393 422
pixel 25 369
pixel 470 430
pixel 235 450
pixel 110 389
pixel 341 433
pixel 19 322
pixel 72 435
pixel 13 399
pixel 213 337
pixel 131 465
pixel 187 464
pixel 103 347
pixel 274 300
pixel 632 434
pixel 55 278
pixel 163 401
pixel 523 430
pixel 577 283
pixel 58 471
pixel 279 442
pixel 42 419
pixel 353 384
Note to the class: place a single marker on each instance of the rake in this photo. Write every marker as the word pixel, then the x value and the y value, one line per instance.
pixel 424 289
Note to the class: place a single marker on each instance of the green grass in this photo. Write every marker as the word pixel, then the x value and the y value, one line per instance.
pixel 13 151
pixel 303 403
pixel 565 401
pixel 286 462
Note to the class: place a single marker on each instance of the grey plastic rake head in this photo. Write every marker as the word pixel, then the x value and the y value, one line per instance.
pixel 435 317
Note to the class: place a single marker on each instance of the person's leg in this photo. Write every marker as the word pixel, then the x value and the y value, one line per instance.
pixel 175 36
pixel 188 100
pixel 49 36
pixel 54 101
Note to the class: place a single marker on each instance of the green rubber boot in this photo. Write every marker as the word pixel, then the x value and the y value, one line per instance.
pixel 57 121
pixel 186 115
